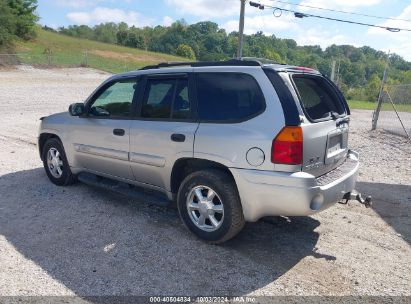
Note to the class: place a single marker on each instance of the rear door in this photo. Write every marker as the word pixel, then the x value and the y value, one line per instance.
pixel 164 130
pixel 325 129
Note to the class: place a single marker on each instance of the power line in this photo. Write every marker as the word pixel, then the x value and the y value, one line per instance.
pixel 302 15
pixel 338 11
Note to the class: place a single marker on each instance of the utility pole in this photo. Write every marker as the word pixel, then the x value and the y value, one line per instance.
pixel 376 113
pixel 241 30
pixel 337 79
pixel 333 70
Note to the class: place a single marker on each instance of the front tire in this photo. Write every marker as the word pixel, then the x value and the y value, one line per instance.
pixel 209 205
pixel 55 163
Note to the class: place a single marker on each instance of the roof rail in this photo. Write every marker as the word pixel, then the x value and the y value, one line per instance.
pixel 231 62
pixel 261 60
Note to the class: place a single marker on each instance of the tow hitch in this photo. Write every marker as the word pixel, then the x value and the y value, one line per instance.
pixel 367 202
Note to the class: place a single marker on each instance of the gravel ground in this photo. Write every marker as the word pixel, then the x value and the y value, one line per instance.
pixel 77 240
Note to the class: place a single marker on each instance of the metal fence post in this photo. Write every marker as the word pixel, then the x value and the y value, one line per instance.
pixel 86 57
pixel 376 113
pixel 49 57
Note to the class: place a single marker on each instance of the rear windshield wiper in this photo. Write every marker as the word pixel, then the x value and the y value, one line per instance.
pixel 334 115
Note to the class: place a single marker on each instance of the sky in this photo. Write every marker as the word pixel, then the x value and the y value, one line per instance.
pixel 306 31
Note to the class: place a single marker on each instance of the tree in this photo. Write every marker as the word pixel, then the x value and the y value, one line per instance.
pixel 122 37
pixel 24 11
pixel 7 24
pixel 135 40
pixel 106 32
pixel 270 54
pixel 205 41
pixel 17 19
pixel 186 51
pixel 372 88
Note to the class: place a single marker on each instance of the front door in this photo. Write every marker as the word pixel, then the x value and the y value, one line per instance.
pixel 164 130
pixel 101 138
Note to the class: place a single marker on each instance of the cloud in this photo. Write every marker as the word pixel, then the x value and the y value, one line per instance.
pixel 104 14
pixel 79 3
pixel 206 8
pixel 340 4
pixel 323 38
pixel 399 43
pixel 405 14
pixel 287 26
pixel 266 23
pixel 167 21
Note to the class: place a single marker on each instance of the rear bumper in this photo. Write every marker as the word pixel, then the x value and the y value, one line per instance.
pixel 266 193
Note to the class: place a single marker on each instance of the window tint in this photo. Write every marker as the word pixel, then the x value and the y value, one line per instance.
pixel 166 98
pixel 317 98
pixel 158 98
pixel 182 106
pixel 228 96
pixel 115 100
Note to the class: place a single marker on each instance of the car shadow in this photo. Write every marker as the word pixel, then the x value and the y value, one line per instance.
pixel 392 202
pixel 97 243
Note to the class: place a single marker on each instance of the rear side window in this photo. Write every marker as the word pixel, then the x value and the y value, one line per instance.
pixel 228 96
pixel 166 99
pixel 318 99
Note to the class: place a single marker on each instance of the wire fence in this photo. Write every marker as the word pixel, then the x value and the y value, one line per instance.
pixel 57 59
pixel 395 114
pixel 43 59
pixel 394 117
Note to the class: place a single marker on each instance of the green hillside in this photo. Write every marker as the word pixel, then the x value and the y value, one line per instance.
pixel 62 50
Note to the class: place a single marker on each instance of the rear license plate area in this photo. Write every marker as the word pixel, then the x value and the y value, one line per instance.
pixel 336 146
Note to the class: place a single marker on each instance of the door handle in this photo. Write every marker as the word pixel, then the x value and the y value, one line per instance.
pixel 178 137
pixel 119 132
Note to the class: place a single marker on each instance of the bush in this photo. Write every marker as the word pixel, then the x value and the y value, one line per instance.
pixel 186 51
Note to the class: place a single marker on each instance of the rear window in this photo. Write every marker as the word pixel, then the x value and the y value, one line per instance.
pixel 228 96
pixel 318 98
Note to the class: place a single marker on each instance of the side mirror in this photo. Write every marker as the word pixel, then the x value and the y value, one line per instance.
pixel 76 109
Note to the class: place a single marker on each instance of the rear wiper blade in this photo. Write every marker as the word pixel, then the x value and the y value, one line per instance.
pixel 334 115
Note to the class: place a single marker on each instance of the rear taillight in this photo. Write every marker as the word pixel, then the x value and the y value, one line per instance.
pixel 287 147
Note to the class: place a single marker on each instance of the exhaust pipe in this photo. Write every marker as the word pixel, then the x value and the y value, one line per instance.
pixel 367 202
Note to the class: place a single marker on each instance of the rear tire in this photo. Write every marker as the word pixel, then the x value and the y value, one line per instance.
pixel 55 163
pixel 209 205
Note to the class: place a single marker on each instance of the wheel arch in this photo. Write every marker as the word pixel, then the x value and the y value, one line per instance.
pixel 185 166
pixel 43 138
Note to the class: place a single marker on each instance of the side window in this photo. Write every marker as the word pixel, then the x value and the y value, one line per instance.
pixel 181 105
pixel 228 96
pixel 115 100
pixel 158 98
pixel 166 98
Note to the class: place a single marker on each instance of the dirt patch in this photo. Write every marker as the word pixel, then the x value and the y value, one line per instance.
pixel 124 56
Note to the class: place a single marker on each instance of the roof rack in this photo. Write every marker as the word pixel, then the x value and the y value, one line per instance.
pixel 231 62
pixel 261 60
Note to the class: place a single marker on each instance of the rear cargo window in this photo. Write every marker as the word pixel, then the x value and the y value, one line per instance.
pixel 228 97
pixel 317 97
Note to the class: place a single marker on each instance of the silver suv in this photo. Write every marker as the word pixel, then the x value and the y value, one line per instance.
pixel 229 142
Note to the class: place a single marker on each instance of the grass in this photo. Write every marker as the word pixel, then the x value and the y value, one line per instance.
pixel 367 105
pixel 68 51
